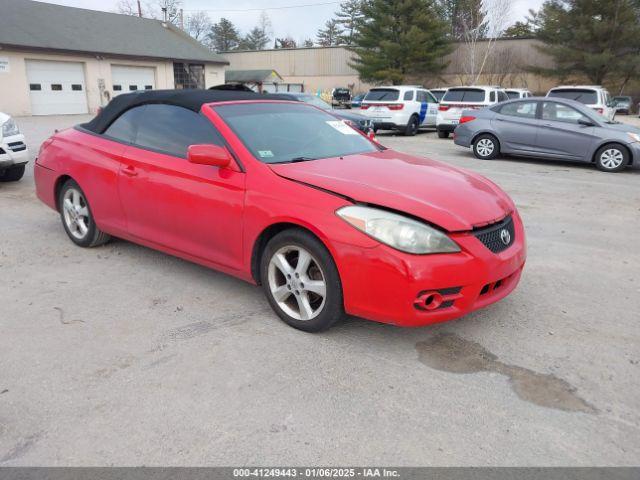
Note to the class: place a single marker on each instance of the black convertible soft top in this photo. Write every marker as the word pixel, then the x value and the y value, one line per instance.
pixel 191 99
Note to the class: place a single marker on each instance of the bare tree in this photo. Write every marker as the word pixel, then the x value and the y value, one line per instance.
pixel 129 7
pixel 153 9
pixel 480 23
pixel 198 24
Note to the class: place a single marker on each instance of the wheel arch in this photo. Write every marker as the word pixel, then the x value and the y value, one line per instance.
pixel 57 186
pixel 271 231
pixel 486 132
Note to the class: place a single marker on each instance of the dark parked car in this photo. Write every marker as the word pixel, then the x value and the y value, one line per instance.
pixel 553 128
pixel 356 102
pixel 359 121
pixel 341 97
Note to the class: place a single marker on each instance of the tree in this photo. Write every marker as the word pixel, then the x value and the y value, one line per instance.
pixel 349 17
pixel 224 36
pixel 400 38
pixel 591 38
pixel 286 42
pixel 330 34
pixel 519 30
pixel 308 43
pixel 256 39
pixel 152 9
pixel 198 24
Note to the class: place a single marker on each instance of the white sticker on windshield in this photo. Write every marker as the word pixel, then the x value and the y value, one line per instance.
pixel 342 127
pixel 265 153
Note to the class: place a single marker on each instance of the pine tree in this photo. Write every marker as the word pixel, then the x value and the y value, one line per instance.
pixel 349 17
pixel 400 38
pixel 308 43
pixel 256 39
pixel 590 38
pixel 330 34
pixel 224 36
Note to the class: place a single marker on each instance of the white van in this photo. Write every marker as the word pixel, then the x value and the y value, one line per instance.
pixel 592 96
pixel 400 107
pixel 464 98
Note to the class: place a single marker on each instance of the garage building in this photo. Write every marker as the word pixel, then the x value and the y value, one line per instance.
pixel 62 60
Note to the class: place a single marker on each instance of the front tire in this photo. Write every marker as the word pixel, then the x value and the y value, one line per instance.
pixel 77 218
pixel 486 147
pixel 301 281
pixel 612 158
pixel 12 174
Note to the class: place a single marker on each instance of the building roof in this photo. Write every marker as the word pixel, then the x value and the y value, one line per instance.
pixel 191 99
pixel 252 76
pixel 37 25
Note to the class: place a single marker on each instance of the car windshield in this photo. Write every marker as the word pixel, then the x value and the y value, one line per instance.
pixel 382 94
pixel 464 95
pixel 621 99
pixel 512 95
pixel 315 101
pixel 587 97
pixel 285 132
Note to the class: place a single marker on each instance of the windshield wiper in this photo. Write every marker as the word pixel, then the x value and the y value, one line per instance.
pixel 301 159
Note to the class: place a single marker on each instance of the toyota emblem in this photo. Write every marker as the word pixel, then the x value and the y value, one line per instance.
pixel 505 236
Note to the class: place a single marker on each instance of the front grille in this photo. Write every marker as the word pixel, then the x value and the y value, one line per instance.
pixel 16 146
pixel 493 237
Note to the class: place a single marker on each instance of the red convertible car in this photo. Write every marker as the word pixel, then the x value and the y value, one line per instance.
pixel 285 195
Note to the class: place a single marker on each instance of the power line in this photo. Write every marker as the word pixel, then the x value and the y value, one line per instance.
pixel 261 9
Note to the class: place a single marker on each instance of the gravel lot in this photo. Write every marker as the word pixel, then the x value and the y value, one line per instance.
pixel 121 355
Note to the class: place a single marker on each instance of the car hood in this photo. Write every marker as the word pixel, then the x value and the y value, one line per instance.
pixel 622 127
pixel 452 198
pixel 354 117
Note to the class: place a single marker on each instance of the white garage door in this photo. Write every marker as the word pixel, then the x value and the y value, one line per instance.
pixel 56 87
pixel 130 79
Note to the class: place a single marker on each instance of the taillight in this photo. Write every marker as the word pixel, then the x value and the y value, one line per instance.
pixel 395 106
pixel 466 118
pixel 444 108
pixel 364 106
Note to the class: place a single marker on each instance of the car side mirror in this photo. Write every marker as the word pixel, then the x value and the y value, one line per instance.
pixel 586 123
pixel 213 155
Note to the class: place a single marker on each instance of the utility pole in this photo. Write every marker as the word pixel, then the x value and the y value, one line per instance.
pixel 139 9
pixel 181 19
pixel 164 14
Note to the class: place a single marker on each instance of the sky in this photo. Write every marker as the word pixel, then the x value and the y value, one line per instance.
pixel 299 23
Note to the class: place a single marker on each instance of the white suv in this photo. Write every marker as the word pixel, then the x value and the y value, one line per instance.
pixel 592 96
pixel 13 151
pixel 464 98
pixel 403 107
pixel 515 93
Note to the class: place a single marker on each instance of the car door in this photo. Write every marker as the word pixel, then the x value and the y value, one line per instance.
pixel 191 208
pixel 561 134
pixel 428 108
pixel 516 125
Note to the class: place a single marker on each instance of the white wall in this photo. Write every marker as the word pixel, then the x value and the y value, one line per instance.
pixel 14 88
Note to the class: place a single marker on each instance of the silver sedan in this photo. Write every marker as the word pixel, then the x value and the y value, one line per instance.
pixel 549 128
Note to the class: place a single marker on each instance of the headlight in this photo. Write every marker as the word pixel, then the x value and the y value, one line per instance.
pixel 634 136
pixel 397 231
pixel 10 128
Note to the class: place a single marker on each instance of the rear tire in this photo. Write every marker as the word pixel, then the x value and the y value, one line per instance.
pixel 412 127
pixel 12 174
pixel 443 134
pixel 486 147
pixel 77 218
pixel 308 295
pixel 612 158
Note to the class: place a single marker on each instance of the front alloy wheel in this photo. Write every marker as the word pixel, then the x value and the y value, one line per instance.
pixel 77 218
pixel 301 281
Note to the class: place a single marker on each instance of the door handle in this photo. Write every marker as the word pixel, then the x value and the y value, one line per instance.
pixel 130 171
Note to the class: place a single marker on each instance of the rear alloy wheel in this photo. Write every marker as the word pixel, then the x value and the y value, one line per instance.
pixel 412 127
pixel 612 158
pixel 77 218
pixel 301 281
pixel 443 134
pixel 12 174
pixel 486 147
